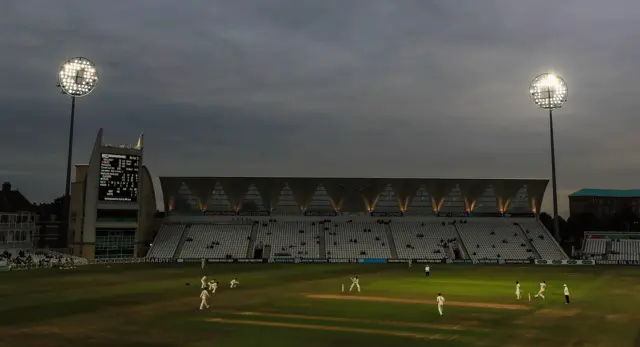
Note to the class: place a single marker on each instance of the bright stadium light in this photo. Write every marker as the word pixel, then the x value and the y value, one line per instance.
pixel 77 77
pixel 549 91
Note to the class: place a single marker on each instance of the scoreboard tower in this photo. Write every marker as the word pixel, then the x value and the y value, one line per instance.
pixel 112 203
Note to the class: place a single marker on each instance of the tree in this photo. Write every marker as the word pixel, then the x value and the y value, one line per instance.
pixel 547 221
pixel 579 223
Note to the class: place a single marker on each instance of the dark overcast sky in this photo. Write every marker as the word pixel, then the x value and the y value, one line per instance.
pixel 326 88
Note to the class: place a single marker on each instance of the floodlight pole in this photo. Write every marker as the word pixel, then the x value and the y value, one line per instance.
pixel 556 222
pixel 67 190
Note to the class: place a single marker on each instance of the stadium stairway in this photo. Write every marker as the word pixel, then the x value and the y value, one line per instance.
pixel 322 234
pixel 608 250
pixel 528 243
pixel 252 241
pixel 183 238
pixel 450 253
pixel 461 246
pixel 392 243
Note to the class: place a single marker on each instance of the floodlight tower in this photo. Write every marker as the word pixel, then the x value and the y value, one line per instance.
pixel 549 91
pixel 77 78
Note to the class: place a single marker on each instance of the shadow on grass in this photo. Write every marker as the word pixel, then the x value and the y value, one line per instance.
pixel 57 310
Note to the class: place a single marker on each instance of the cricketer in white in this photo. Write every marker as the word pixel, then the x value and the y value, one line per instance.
pixel 355 282
pixel 543 287
pixel 213 285
pixel 440 300
pixel 203 296
pixel 204 282
pixel 234 282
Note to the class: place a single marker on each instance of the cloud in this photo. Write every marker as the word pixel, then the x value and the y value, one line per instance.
pixel 325 88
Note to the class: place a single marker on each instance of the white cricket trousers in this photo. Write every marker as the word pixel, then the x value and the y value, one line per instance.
pixel 354 285
pixel 540 294
pixel 440 308
pixel 518 293
pixel 204 304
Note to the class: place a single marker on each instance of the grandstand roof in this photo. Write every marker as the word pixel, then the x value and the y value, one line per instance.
pixel 350 194
pixel 606 193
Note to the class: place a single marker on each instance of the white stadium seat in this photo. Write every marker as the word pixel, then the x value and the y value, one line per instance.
pixel 425 239
pixel 357 240
pixel 216 241
pixel 166 242
pixel 542 240
pixel 290 239
pixel 498 239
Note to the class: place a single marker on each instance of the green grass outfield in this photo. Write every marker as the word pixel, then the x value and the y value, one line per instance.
pixel 149 305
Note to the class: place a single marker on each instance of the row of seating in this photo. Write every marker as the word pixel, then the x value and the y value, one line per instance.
pixel 166 242
pixel 216 241
pixel 611 249
pixel 411 239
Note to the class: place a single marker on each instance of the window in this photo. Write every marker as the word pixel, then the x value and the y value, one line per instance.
pixel 114 243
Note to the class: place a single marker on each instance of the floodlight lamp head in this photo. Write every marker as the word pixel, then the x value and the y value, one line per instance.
pixel 548 91
pixel 77 77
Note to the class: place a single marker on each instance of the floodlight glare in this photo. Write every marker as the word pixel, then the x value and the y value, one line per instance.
pixel 548 91
pixel 78 77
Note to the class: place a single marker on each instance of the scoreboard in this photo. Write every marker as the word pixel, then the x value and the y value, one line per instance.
pixel 119 177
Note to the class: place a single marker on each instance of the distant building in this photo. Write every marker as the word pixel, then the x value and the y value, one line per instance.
pixel 51 224
pixel 603 202
pixel 17 218
pixel 113 204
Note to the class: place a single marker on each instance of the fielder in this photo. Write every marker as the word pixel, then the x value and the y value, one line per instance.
pixel 203 296
pixel 440 300
pixel 202 262
pixel 234 283
pixel 410 261
pixel 213 285
pixel 543 287
pixel 518 291
pixel 204 282
pixel 427 271
pixel 567 300
pixel 355 282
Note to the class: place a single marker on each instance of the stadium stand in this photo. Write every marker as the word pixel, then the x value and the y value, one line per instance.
pixel 290 238
pixel 595 248
pixel 422 240
pixel 166 242
pixel 356 240
pixel 623 249
pixel 494 239
pixel 542 241
pixel 611 245
pixel 216 241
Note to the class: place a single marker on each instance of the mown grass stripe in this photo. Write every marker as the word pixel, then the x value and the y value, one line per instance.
pixel 355 320
pixel 331 328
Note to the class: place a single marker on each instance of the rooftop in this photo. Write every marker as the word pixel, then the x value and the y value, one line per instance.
pixel 607 193
pixel 13 200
